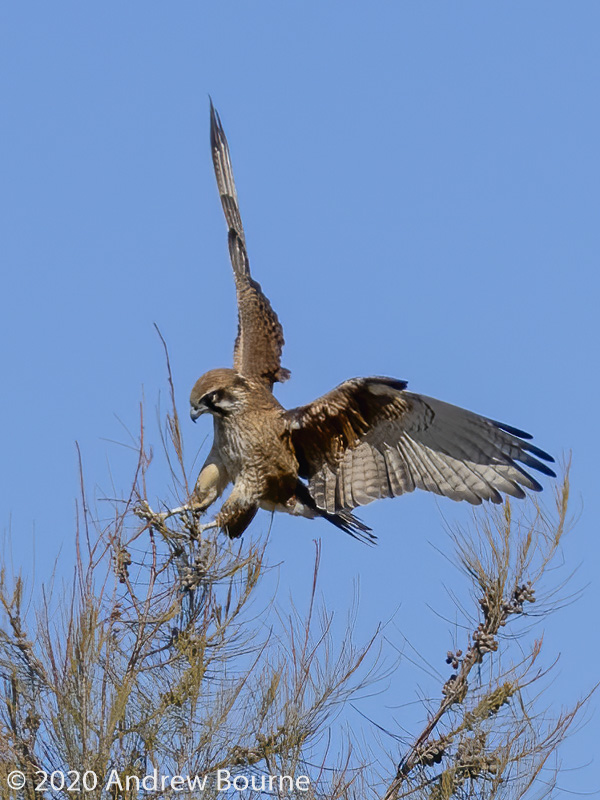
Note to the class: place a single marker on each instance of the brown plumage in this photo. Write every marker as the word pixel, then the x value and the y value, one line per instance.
pixel 257 350
pixel 369 438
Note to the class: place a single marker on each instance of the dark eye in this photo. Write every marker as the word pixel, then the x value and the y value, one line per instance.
pixel 211 400
pixel 216 401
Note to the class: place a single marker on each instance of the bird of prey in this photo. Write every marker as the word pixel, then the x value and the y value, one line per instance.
pixel 366 439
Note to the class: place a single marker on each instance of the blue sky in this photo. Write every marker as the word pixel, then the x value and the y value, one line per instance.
pixel 419 186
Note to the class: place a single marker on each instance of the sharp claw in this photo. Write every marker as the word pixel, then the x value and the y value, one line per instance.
pixel 143 511
pixel 207 526
pixel 157 519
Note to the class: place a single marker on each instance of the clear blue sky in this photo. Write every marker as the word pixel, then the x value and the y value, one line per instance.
pixel 419 184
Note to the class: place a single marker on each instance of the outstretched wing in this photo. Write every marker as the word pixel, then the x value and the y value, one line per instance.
pixel 368 439
pixel 259 342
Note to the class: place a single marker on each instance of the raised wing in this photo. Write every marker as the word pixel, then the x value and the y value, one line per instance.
pixel 368 439
pixel 259 342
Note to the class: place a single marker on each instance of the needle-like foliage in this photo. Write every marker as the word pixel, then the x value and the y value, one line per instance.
pixel 165 656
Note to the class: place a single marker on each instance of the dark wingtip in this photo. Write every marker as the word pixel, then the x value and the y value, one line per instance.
pixel 544 469
pixel 216 129
pixel 395 383
pixel 382 380
pixel 532 484
pixel 513 431
pixel 527 449
pixel 539 453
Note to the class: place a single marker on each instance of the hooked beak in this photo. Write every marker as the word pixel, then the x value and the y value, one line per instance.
pixel 196 412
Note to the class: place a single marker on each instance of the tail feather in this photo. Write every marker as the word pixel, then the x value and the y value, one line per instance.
pixel 347 522
pixel 344 520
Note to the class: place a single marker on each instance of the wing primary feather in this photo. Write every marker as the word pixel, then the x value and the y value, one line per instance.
pixel 425 443
pixel 466 441
pixel 237 253
pixel 259 342
pixel 471 477
pixel 224 173
pixel 531 448
pixel 529 461
pixel 537 451
pixel 459 487
pixel 531 484
pixel 513 431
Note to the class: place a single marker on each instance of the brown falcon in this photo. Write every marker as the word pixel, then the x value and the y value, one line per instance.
pixel 366 439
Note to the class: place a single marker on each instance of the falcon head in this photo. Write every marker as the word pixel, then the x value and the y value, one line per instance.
pixel 221 392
